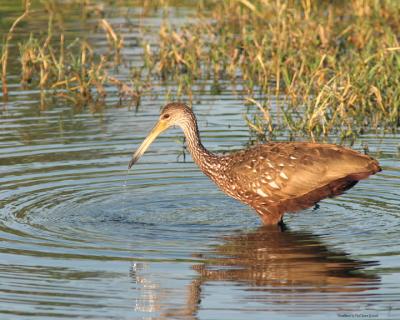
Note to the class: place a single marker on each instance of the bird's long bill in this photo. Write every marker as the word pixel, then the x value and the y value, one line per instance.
pixel 158 128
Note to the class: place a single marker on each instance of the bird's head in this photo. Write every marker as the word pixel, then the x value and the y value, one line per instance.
pixel 175 113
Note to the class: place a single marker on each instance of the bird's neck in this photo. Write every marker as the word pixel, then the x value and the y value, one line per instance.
pixel 205 159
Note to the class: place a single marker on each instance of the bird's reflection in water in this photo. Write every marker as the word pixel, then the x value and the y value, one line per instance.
pixel 284 269
pixel 270 257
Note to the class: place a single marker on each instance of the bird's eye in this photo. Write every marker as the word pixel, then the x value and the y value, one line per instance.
pixel 165 116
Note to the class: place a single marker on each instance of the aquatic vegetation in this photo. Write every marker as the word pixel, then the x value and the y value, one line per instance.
pixel 328 67
pixel 70 69
pixel 5 49
pixel 314 68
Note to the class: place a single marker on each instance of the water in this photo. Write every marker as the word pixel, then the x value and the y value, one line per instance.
pixel 82 238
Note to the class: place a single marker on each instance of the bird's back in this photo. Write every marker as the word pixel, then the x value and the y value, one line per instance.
pixel 278 177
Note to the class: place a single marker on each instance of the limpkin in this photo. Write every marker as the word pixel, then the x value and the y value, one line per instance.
pixel 273 178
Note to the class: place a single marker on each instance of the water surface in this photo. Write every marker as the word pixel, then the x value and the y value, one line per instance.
pixel 83 238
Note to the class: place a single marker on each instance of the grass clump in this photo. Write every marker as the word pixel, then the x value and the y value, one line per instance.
pixel 5 48
pixel 328 67
pixel 314 68
pixel 77 75
pixel 70 68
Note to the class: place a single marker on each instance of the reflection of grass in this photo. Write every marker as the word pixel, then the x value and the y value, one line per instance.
pixel 312 67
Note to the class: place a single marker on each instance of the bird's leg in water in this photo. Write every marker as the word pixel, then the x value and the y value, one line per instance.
pixel 282 226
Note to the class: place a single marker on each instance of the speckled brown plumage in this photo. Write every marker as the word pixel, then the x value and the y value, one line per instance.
pixel 272 178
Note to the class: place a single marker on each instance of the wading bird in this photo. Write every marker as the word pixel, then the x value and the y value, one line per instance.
pixel 272 178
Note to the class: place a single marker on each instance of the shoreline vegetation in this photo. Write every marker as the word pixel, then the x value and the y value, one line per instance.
pixel 314 68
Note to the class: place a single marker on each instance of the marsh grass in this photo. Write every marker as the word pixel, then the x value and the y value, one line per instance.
pixel 337 64
pixel 5 48
pixel 314 68
pixel 70 69
pixel 75 74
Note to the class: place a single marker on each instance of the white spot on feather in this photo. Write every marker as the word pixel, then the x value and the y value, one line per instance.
pixel 293 158
pixel 261 193
pixel 283 175
pixel 274 185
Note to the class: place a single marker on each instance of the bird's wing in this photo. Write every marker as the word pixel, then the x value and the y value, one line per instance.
pixel 271 174
pixel 278 170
